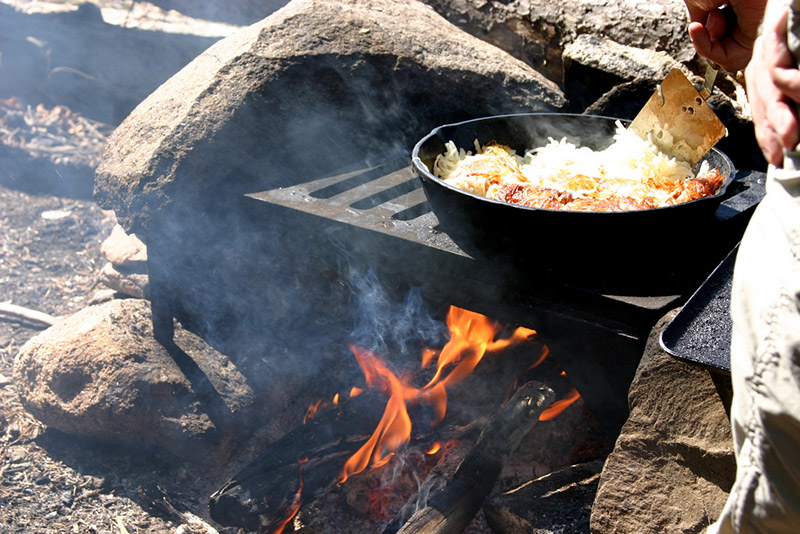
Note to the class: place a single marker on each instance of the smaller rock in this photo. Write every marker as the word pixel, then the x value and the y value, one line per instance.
pixel 132 284
pixel 100 373
pixel 626 62
pixel 673 465
pixel 102 295
pixel 608 64
pixel 125 250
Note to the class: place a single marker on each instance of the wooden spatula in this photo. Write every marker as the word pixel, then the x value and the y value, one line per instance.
pixel 678 119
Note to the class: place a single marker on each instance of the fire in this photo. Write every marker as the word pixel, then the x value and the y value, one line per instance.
pixel 472 335
pixel 394 428
pixel 555 409
pixel 295 507
pixel 433 449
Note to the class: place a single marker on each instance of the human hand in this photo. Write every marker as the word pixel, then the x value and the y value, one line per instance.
pixel 773 87
pixel 724 39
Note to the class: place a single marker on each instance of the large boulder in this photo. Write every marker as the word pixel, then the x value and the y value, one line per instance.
pixel 610 65
pixel 315 86
pixel 673 465
pixel 538 31
pixel 100 373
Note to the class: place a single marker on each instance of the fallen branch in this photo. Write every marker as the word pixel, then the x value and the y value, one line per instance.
pixel 13 312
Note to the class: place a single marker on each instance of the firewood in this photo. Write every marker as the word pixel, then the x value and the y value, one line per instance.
pixel 560 501
pixel 306 462
pixel 452 508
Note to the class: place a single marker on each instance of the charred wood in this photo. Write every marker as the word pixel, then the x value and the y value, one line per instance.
pixel 452 508
pixel 558 502
pixel 303 464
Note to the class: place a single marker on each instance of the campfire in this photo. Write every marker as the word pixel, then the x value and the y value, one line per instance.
pixel 340 439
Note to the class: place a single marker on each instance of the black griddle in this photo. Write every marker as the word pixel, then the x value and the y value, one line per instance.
pixel 701 331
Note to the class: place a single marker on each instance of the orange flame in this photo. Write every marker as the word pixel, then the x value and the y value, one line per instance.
pixel 436 447
pixel 394 428
pixel 555 409
pixel 312 410
pixel 295 507
pixel 471 337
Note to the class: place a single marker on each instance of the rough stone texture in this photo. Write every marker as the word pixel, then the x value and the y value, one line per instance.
pixel 608 64
pixel 624 61
pixel 673 464
pixel 313 87
pixel 538 31
pixel 100 373
pixel 124 250
pixel 124 281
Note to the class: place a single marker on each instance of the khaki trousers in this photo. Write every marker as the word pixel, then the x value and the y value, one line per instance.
pixel 765 366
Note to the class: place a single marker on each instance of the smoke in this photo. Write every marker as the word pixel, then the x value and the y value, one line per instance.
pixel 390 327
pixel 239 12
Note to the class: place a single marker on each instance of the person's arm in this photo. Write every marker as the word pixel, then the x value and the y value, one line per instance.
pixel 773 86
pixel 727 41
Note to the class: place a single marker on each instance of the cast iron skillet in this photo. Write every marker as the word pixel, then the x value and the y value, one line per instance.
pixel 582 248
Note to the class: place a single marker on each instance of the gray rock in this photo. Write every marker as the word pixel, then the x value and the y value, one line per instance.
pixel 315 86
pixel 537 32
pixel 673 465
pixel 625 62
pixel 100 373
pixel 594 65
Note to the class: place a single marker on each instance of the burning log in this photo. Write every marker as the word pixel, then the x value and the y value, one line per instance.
pixel 306 461
pixel 452 508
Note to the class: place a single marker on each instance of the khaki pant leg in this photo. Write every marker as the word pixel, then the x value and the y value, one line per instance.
pixel 765 367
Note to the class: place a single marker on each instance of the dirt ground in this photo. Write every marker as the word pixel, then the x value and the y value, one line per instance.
pixel 50 258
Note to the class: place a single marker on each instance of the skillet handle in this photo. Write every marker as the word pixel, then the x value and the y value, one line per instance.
pixel 745 191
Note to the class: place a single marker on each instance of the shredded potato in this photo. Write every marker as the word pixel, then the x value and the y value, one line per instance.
pixel 630 174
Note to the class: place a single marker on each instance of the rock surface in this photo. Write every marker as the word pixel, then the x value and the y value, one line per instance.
pixel 313 87
pixel 606 64
pixel 538 31
pixel 126 270
pixel 673 464
pixel 124 281
pixel 124 250
pixel 100 373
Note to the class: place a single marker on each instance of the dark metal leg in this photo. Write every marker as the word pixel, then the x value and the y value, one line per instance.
pixel 160 303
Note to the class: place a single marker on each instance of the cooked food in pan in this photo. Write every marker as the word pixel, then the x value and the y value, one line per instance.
pixel 631 174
